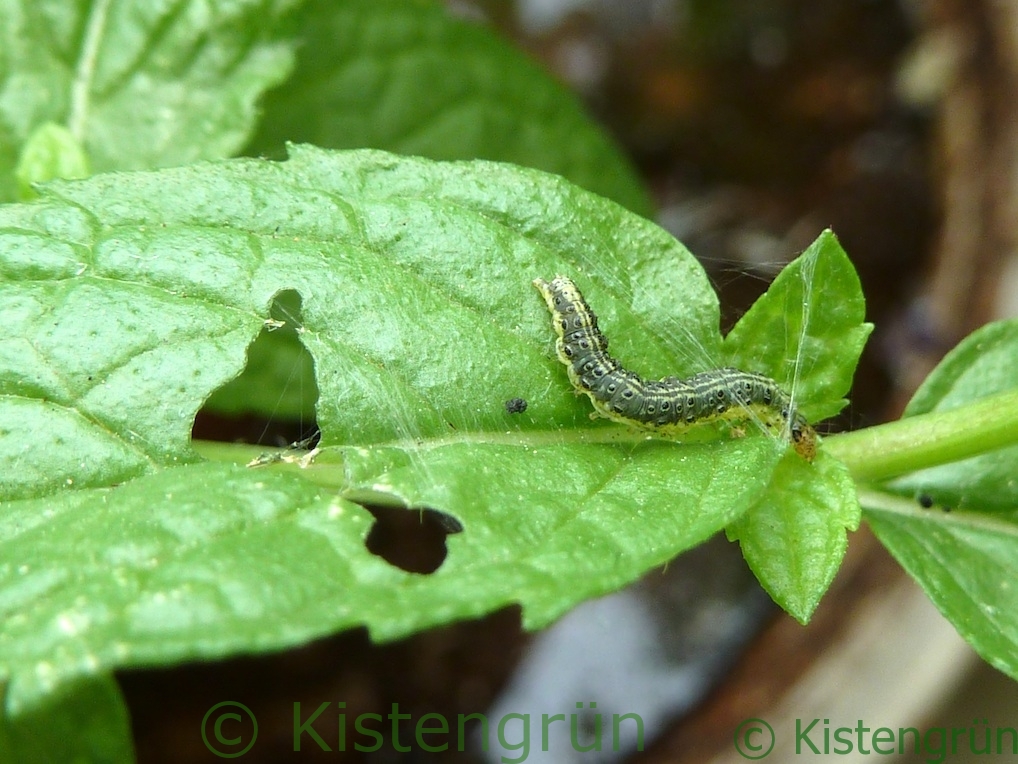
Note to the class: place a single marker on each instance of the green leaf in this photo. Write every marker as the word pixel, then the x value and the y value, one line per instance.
pixel 128 298
pixel 964 560
pixel 210 560
pixel 86 721
pixel 983 364
pixel 137 84
pixel 967 563
pixel 51 152
pixel 794 537
pixel 814 304
pixel 409 77
pixel 417 304
pixel 9 190
pixel 6 740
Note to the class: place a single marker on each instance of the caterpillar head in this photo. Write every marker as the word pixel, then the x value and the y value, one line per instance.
pixel 804 438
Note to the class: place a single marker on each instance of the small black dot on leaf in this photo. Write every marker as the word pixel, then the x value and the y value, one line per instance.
pixel 515 406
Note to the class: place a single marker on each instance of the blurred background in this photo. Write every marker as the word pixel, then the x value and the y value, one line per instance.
pixel 755 126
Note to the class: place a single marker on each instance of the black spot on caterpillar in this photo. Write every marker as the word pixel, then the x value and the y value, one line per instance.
pixel 515 406
pixel 668 405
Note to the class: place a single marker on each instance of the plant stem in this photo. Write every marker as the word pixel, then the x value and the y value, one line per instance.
pixel 926 440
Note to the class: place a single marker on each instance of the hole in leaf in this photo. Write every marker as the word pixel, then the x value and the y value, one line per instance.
pixel 272 402
pixel 413 540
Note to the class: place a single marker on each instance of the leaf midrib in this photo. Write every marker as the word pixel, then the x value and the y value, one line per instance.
pixel 84 72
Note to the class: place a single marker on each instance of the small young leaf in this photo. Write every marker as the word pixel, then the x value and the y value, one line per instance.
pixel 86 721
pixel 794 538
pixel 814 304
pixel 50 152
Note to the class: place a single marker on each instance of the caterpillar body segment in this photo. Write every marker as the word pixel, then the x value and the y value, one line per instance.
pixel 670 405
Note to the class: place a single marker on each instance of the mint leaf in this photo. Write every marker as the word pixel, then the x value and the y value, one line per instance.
pixel 815 304
pixel 409 77
pixel 209 560
pixel 807 332
pixel 794 537
pixel 417 301
pixel 138 85
pixel 983 364
pixel 964 560
pixel 128 298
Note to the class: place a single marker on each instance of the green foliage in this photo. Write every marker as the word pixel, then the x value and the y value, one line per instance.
pixel 204 102
pixel 131 300
pixel 405 77
pixel 138 85
pixel 983 365
pixel 132 288
pixel 963 551
pixel 50 152
pixel 409 78
pixel 794 538
pixel 791 327
pixel 85 721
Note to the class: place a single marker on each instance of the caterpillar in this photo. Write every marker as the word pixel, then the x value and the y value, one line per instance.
pixel 668 405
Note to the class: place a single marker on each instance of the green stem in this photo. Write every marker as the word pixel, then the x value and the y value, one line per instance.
pixel 926 440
